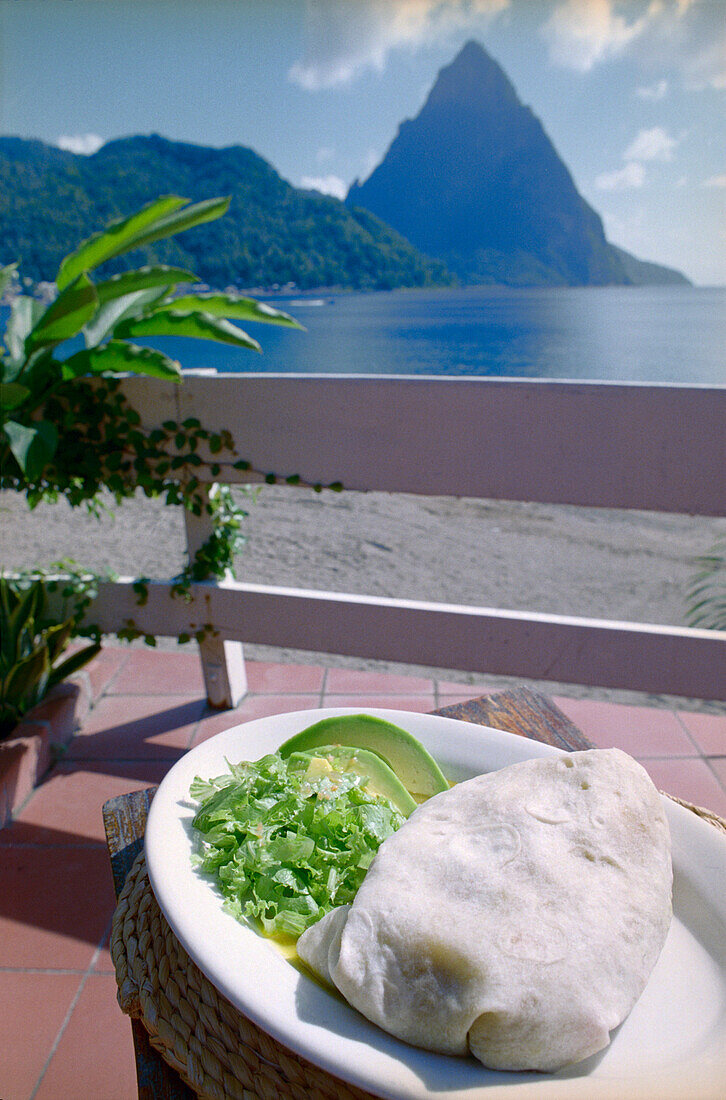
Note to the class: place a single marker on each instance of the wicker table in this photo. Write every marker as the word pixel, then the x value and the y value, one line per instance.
pixel 189 1040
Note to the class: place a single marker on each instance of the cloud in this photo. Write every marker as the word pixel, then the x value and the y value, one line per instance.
pixel 706 68
pixel 371 160
pixel 85 144
pixel 715 181
pixel 654 144
pixel 687 35
pixel 653 91
pixel 327 185
pixel 632 175
pixel 344 40
pixel 582 33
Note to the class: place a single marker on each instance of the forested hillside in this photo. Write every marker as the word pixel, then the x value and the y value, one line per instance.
pixel 274 233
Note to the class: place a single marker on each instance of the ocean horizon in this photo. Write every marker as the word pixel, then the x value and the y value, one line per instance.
pixel 619 334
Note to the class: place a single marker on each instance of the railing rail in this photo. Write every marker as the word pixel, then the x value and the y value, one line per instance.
pixel 601 444
pixel 613 445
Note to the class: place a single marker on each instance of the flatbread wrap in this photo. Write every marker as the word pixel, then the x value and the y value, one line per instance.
pixel 515 917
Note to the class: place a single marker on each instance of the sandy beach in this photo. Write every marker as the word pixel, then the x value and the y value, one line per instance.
pixel 633 566
pixel 601 563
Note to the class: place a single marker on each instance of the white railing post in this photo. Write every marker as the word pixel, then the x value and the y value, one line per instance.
pixel 223 665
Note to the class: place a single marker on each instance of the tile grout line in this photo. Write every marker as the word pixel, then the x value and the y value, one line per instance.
pixel 71 1008
pixel 323 687
pixel 39 846
pixel 67 971
pixel 688 733
pixel 374 694
pixel 105 690
pixel 677 756
pixel 714 773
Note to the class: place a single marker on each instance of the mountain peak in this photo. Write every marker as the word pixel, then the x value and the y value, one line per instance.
pixel 475 181
pixel 474 80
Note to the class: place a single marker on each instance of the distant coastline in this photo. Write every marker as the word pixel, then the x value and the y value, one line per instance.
pixel 612 334
pixel 44 291
pixel 276 236
pixel 617 334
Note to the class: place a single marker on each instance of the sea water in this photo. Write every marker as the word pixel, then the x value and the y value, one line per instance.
pixel 639 334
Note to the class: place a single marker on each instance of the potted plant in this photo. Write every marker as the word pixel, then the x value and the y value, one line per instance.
pixel 40 618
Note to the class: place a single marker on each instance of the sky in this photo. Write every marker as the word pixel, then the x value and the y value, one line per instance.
pixel 632 93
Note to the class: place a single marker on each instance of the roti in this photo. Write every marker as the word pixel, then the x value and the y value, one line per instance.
pixel 515 917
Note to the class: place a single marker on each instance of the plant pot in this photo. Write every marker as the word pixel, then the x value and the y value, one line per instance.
pixel 27 755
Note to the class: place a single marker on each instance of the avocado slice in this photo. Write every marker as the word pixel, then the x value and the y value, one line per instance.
pixel 408 759
pixel 380 779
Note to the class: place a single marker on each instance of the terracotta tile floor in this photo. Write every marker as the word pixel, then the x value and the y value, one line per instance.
pixel 62 1034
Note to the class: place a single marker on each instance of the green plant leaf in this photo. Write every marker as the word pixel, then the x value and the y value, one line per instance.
pixel 24 314
pixel 206 211
pixel 155 222
pixel 27 367
pixel 73 663
pixel 24 614
pixel 6 277
pixel 117 238
pixel 128 282
pixel 12 394
pixel 7 599
pixel 202 326
pixel 77 366
pixel 33 447
pixel 118 357
pixel 16 611
pixel 28 679
pixel 117 309
pixel 57 638
pixel 66 316
pixel 9 371
pixel 232 307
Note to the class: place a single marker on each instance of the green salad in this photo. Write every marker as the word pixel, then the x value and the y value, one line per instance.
pixel 289 838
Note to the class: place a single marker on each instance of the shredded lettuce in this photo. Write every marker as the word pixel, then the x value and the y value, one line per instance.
pixel 288 840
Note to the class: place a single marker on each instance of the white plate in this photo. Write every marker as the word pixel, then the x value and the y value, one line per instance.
pixel 673 1044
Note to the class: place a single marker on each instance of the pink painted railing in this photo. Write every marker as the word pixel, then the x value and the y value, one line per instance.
pixel 653 447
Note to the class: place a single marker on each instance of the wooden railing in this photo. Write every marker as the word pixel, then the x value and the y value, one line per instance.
pixel 660 448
